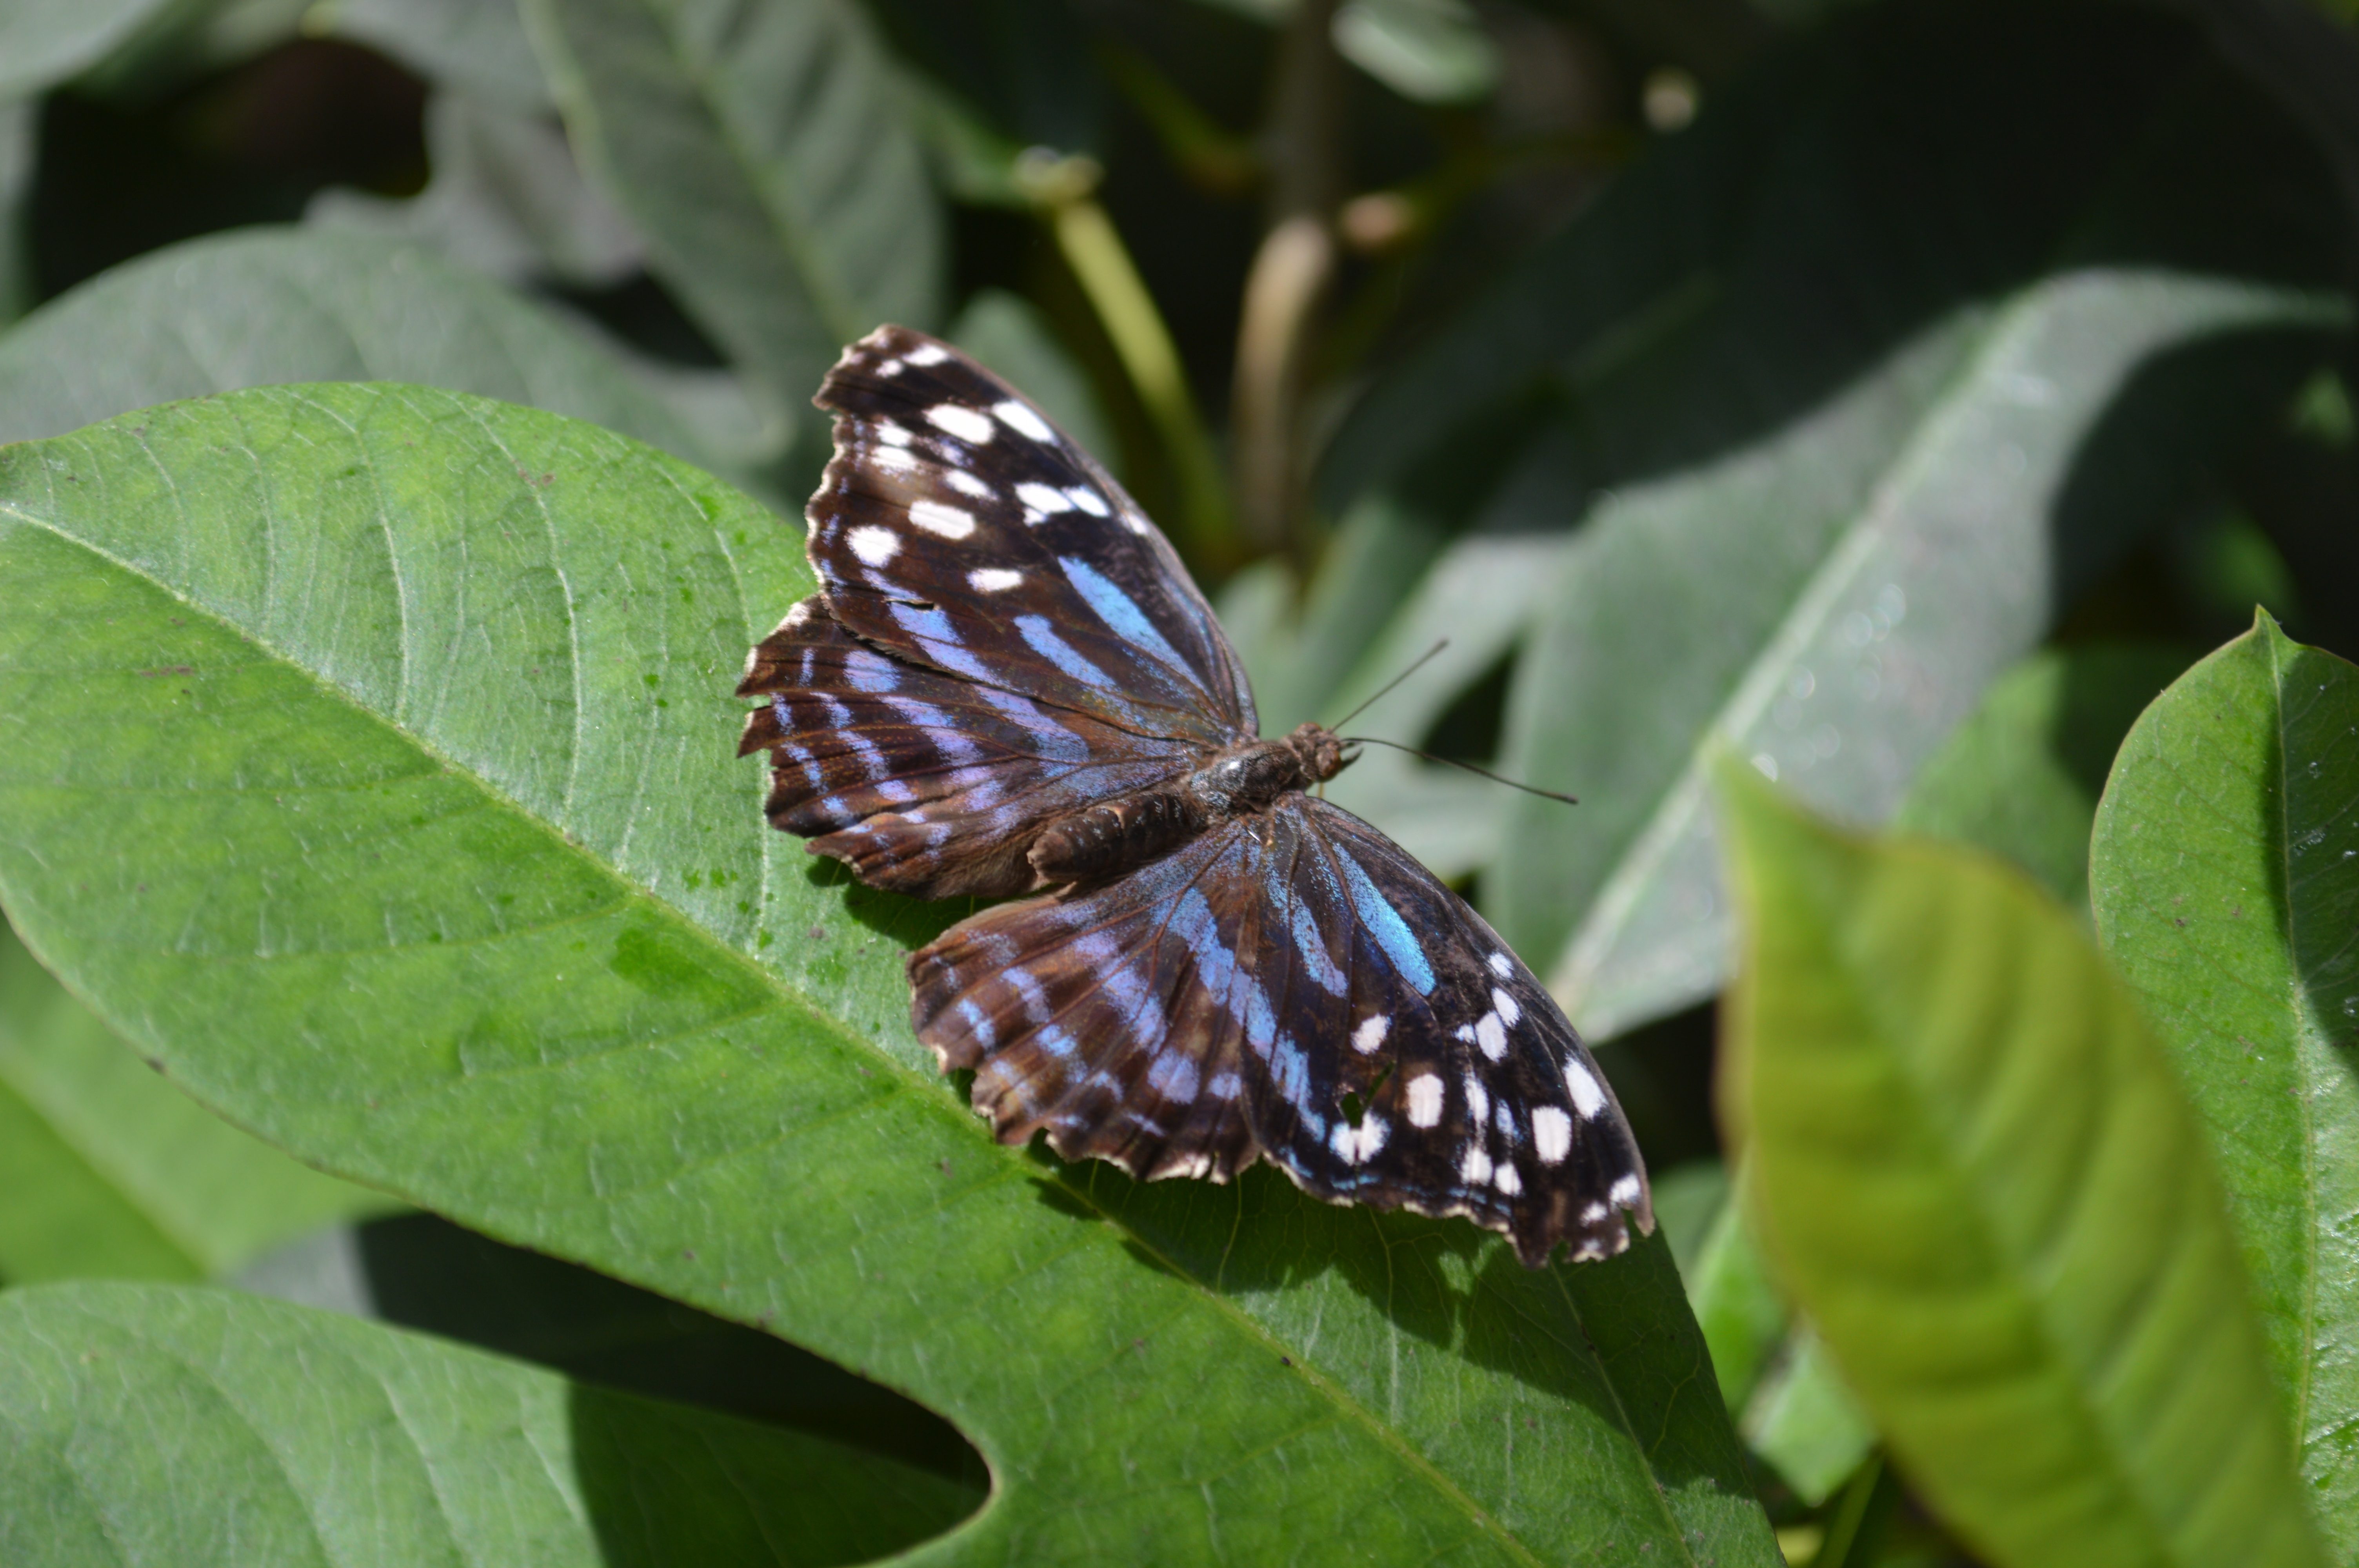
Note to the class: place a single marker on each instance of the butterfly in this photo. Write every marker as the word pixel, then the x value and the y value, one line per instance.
pixel 1007 687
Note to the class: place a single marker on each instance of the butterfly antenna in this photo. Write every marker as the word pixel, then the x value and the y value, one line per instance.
pixel 1413 668
pixel 1455 762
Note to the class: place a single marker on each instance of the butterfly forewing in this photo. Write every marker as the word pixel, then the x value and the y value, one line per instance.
pixel 920 780
pixel 955 524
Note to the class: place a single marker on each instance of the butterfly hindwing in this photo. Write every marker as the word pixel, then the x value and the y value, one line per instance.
pixel 1417 1062
pixel 957 525
pixel 1102 1015
pixel 1293 985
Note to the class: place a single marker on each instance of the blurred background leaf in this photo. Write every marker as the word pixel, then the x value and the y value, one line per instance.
pixel 1976 1167
pixel 112 1173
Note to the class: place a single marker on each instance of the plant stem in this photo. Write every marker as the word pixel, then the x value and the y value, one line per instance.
pixel 1287 280
pixel 1063 192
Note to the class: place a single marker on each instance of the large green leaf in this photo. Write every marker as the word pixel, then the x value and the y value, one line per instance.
pixel 109 1171
pixel 154 1425
pixel 1976 1172
pixel 268 306
pixel 476 45
pixel 1852 389
pixel 2021 776
pixel 506 200
pixel 762 151
pixel 437 870
pixel 2225 878
pixel 43 42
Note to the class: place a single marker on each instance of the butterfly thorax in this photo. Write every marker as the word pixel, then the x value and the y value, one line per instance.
pixel 1116 837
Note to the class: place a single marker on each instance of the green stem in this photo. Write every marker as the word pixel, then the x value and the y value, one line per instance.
pixel 1101 264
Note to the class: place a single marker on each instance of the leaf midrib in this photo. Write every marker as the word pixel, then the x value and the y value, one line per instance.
pixel 1386 1435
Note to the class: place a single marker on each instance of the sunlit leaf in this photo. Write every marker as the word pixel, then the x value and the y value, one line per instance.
pixel 1976 1171
pixel 439 871
pixel 2225 878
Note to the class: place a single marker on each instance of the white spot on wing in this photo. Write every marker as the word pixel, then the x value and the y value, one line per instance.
pixel 1041 501
pixel 1623 1192
pixel 1594 1213
pixel 1087 500
pixel 1587 1098
pixel 1371 1033
pixel 899 459
pixel 1424 1100
pixel 874 545
pixel 1501 964
pixel 1478 1103
pixel 965 423
pixel 1474 1168
pixel 967 485
pixel 1023 421
pixel 1509 1012
pixel 991 579
pixel 950 522
pixel 1491 1035
pixel 929 354
pixel 1551 1134
pixel 892 435
pixel 1506 1181
pixel 1356 1145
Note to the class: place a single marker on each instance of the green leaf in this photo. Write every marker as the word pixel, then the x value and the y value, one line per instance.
pixel 421 1272
pixel 439 871
pixel 45 41
pixel 763 152
pixel 2021 776
pixel 1833 474
pixel 110 1171
pixel 274 306
pixel 506 200
pixel 476 45
pixel 1976 1172
pixel 150 1425
pixel 2225 878
pixel 19 129
pixel 1805 1423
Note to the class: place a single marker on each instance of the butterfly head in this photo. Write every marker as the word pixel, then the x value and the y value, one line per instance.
pixel 1321 753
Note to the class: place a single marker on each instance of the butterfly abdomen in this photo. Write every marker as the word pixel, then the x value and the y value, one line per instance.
pixel 1116 835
